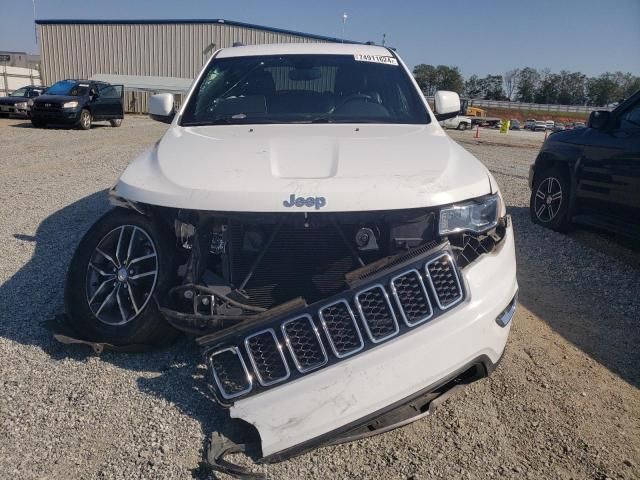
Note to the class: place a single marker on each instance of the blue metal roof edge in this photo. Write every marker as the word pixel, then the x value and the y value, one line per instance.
pixel 179 20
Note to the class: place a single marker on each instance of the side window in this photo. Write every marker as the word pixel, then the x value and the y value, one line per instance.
pixel 110 91
pixel 631 119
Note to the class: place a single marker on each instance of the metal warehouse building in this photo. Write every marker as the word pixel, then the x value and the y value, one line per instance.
pixel 165 48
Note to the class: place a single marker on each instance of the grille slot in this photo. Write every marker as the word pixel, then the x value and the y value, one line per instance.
pixel 377 313
pixel 265 353
pixel 411 297
pixel 339 323
pixel 304 344
pixel 444 280
pixel 230 372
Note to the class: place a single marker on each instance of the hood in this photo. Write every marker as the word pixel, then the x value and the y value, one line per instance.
pixel 575 135
pixel 10 100
pixel 54 99
pixel 319 167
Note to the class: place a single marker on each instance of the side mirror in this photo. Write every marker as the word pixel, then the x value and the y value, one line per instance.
pixel 161 107
pixel 447 104
pixel 599 119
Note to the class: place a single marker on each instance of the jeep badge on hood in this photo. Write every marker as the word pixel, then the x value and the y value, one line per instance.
pixel 294 201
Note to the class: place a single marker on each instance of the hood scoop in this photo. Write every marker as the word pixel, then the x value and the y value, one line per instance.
pixel 304 157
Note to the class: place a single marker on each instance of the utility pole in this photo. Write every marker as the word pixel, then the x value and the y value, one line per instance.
pixel 35 27
pixel 344 23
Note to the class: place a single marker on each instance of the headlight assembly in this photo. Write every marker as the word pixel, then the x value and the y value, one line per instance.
pixel 478 215
pixel 21 105
pixel 73 104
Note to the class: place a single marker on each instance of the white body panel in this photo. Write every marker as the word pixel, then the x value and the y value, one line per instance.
pixel 255 168
pixel 354 388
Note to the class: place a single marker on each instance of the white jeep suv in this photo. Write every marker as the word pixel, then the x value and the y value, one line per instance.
pixel 343 262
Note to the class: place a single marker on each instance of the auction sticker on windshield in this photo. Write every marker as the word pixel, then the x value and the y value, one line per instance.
pixel 359 57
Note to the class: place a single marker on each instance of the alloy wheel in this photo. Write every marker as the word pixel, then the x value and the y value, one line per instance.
pixel 548 199
pixel 86 120
pixel 121 275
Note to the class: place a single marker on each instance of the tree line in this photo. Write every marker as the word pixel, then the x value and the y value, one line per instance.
pixel 530 85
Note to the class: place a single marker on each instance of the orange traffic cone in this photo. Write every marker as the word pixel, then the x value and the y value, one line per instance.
pixel 477 131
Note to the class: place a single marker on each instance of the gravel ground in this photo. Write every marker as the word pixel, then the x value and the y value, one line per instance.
pixel 563 404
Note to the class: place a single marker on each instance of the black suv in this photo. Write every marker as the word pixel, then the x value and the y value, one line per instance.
pixel 78 103
pixel 591 175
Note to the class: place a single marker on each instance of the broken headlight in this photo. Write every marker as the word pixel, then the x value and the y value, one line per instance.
pixel 477 216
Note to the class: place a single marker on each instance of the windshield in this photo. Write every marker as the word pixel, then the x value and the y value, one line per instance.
pixel 21 92
pixel 68 87
pixel 304 89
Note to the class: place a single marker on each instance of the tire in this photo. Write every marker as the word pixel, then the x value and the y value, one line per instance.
pixel 116 122
pixel 38 123
pixel 549 202
pixel 462 126
pixel 112 300
pixel 85 119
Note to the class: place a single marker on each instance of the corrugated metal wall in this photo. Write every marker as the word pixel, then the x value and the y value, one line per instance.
pixel 81 50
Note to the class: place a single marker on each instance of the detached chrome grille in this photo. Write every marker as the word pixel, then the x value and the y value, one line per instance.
pixel 415 290
pixel 444 280
pixel 377 314
pixel 265 353
pixel 303 341
pixel 411 295
pixel 339 324
pixel 230 372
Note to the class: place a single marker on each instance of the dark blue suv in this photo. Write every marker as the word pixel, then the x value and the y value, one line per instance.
pixel 78 103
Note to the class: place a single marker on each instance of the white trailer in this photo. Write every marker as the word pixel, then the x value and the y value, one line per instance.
pixel 12 78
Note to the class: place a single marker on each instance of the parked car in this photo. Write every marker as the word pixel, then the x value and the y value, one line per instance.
pixel 539 125
pixel 549 124
pixel 515 124
pixel 579 125
pixel 78 103
pixel 590 175
pixel 458 122
pixel 558 127
pixel 529 123
pixel 342 261
pixel 18 103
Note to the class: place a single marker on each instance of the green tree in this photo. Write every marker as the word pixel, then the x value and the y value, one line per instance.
pixel 528 79
pixel 443 77
pixel 493 87
pixel 449 78
pixel 603 90
pixel 473 87
pixel 571 90
pixel 425 75
pixel 548 87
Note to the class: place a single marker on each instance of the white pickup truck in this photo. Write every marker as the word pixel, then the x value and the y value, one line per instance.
pixel 344 263
pixel 458 122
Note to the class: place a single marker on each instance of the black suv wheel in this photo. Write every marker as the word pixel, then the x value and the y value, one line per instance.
pixel 549 203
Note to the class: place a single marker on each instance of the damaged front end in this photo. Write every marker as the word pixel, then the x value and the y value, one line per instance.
pixel 317 328
pixel 237 266
pixel 289 307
